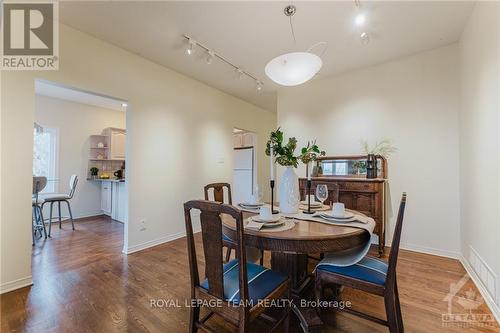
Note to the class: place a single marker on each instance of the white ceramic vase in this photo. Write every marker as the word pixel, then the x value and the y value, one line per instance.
pixel 289 195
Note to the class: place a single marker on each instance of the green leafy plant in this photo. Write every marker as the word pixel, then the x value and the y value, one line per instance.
pixel 94 171
pixel 285 153
pixel 310 153
pixel 383 148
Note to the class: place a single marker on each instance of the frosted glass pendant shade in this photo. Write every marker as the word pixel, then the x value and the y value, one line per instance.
pixel 294 68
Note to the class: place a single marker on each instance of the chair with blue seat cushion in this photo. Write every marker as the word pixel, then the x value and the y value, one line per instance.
pixel 237 290
pixel 218 196
pixel 261 281
pixel 371 275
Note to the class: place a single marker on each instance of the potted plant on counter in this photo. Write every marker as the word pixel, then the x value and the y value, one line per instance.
pixel 284 155
pixel 93 172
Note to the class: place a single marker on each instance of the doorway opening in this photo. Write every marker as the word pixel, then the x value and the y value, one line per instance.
pixel 79 172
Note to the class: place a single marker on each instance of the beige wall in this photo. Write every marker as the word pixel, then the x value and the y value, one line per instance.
pixel 75 123
pixel 414 102
pixel 182 125
pixel 480 145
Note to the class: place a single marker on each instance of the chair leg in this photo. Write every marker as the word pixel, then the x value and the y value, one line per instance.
pixel 286 321
pixel 50 217
pixel 318 290
pixel 390 310
pixel 70 215
pixel 262 257
pixel 228 254
pixel 398 309
pixel 194 317
pixel 33 218
pixel 60 214
pixel 42 221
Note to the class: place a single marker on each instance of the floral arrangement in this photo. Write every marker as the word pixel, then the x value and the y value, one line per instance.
pixel 285 153
pixel 383 148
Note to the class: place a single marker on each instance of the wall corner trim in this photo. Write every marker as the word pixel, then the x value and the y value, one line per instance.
pixel 494 308
pixel 16 284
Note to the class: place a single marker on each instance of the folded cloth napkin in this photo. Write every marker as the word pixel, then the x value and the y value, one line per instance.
pixel 252 225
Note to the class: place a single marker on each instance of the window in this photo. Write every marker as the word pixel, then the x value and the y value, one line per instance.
pixel 45 155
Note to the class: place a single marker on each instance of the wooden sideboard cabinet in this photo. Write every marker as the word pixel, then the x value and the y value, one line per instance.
pixel 361 194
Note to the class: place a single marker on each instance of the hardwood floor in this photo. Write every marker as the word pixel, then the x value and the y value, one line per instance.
pixel 83 283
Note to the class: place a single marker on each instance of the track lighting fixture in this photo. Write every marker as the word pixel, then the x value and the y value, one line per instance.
pixel 211 55
pixel 259 86
pixel 190 47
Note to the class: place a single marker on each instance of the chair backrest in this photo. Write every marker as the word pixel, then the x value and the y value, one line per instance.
pixel 393 255
pixel 39 184
pixel 73 180
pixel 219 192
pixel 211 230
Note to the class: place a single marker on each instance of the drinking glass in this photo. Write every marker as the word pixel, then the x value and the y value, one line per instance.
pixel 322 192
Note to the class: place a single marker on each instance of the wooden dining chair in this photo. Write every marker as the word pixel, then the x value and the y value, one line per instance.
pixel 371 275
pixel 236 290
pixel 218 196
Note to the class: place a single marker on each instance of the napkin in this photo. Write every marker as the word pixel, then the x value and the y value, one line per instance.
pixel 252 225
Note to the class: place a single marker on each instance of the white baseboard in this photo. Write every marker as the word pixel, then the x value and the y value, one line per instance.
pixel 495 309
pixel 155 242
pixel 16 284
pixel 430 250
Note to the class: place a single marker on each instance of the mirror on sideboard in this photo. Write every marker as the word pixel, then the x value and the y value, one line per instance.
pixel 347 166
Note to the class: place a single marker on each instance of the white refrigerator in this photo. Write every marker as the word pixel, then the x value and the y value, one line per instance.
pixel 243 174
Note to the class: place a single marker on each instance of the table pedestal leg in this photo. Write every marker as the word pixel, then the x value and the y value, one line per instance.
pixel 295 266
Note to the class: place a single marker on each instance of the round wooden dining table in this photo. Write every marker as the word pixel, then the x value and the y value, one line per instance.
pixel 289 254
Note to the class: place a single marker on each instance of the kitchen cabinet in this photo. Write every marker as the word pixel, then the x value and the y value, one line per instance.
pixel 114 199
pixel 106 197
pixel 117 146
pixel 119 207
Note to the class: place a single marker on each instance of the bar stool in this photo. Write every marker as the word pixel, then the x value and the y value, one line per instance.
pixel 38 224
pixel 53 198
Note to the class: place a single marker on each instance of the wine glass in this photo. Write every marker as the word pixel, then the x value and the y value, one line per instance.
pixel 322 192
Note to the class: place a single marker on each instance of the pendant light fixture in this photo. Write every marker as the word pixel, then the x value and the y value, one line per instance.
pixel 292 69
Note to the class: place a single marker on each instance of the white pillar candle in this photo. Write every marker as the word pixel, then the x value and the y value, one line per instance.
pixel 271 158
pixel 309 165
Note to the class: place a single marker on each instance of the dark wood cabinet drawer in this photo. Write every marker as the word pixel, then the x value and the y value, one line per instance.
pixel 358 186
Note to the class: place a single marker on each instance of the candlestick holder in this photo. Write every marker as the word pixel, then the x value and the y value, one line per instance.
pixel 272 198
pixel 308 211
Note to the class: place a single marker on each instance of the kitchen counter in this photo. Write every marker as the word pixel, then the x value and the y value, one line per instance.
pixel 114 180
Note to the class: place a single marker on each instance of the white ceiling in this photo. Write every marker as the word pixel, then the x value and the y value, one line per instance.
pixel 249 34
pixel 56 90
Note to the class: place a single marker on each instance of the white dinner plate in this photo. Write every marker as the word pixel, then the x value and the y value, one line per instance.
pixel 336 219
pixel 347 215
pixel 251 205
pixel 313 203
pixel 274 219
pixel 274 224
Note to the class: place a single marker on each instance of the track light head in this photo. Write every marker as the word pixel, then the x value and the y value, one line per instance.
pixel 190 47
pixel 210 57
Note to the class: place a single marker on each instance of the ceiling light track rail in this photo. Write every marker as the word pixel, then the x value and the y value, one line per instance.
pixel 212 53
